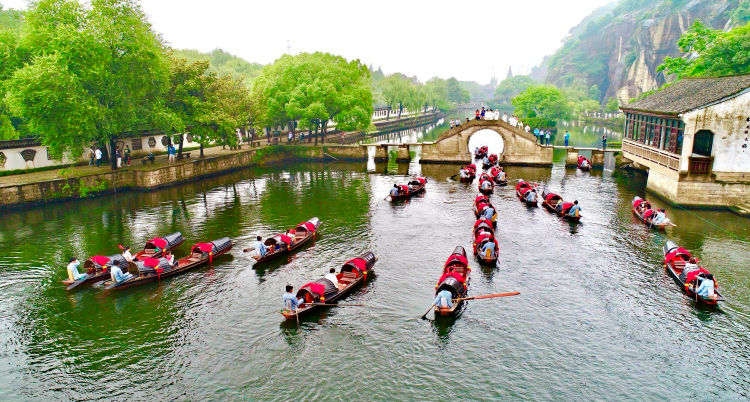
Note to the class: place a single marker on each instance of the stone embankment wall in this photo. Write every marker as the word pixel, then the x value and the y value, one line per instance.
pixel 145 179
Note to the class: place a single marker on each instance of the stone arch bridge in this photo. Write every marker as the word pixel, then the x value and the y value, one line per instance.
pixel 520 147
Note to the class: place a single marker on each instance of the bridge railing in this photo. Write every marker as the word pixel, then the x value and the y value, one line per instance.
pixel 651 154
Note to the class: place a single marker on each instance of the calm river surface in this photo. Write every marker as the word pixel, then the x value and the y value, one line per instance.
pixel 597 318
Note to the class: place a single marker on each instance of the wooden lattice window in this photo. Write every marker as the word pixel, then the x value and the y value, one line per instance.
pixel 136 144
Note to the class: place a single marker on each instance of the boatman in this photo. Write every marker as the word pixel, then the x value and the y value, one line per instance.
pixel 260 248
pixel 488 248
pixel 290 300
pixel 394 190
pixel 575 210
pixel 116 274
pixel 73 274
pixel 531 195
pixel 706 288
pixel 488 213
pixel 660 217
pixel 584 163
pixel 444 299
pixel 331 276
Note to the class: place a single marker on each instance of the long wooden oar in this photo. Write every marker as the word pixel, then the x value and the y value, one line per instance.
pixel 337 304
pixel 428 311
pixel 487 296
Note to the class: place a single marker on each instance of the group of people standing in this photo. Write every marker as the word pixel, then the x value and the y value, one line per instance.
pixel 122 156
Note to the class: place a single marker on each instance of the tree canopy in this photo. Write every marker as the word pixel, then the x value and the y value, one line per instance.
pixel 511 87
pixel 542 105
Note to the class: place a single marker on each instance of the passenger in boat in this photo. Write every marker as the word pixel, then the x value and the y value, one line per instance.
pixel 575 210
pixel 691 265
pixel 488 213
pixel 73 274
pixel 648 215
pixel 486 185
pixel 117 276
pixel 291 302
pixel 502 175
pixel 584 163
pixel 395 190
pixel 659 217
pixel 531 195
pixel 444 299
pixel 260 248
pixel 486 160
pixel 126 254
pixel 331 276
pixel 463 173
pixel 707 287
pixel 488 248
pixel 170 258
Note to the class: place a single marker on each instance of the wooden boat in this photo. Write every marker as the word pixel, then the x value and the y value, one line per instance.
pixel 154 269
pixel 414 187
pixel 675 259
pixel 481 237
pixel 521 189
pixel 472 170
pixel 481 152
pixel 455 279
pixel 97 267
pixel 641 208
pixel 486 178
pixel 350 276
pixel 551 200
pixel 495 174
pixel 580 161
pixel 282 243
pixel 479 208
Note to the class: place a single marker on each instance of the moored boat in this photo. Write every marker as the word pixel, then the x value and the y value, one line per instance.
pixel 552 201
pixel 644 212
pixel 467 173
pixel 455 279
pixel 522 189
pixel 351 275
pixel 414 187
pixel 97 267
pixel 153 269
pixel 676 259
pixel 284 243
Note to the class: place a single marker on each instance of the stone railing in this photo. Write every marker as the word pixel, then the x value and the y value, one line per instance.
pixel 651 154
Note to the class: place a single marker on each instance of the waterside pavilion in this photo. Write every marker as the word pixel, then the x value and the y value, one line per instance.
pixel 692 138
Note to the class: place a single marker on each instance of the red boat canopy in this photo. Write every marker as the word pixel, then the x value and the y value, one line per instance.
pixel 358 263
pixel 674 253
pixel 203 247
pixel 286 239
pixel 566 206
pixel 552 196
pixel 694 274
pixel 637 202
pixel 100 260
pixel 471 166
pixel 159 242
pixel 456 258
pixel 421 180
pixel 316 288
pixel 480 221
pixel 404 188
pixel 306 226
pixel 522 184
pixel 460 278
pixel 480 197
pixel 482 237
pixel 151 262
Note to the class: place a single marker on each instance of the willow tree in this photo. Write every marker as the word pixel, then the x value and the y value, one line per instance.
pixel 92 73
pixel 314 89
pixel 395 88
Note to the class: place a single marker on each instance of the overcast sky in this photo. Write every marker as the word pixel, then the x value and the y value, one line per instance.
pixel 470 40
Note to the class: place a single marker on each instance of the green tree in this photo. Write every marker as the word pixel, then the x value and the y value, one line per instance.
pixel 7 132
pixel 395 89
pixel 456 93
pixel 595 93
pixel 92 74
pixel 511 87
pixel 612 104
pixel 437 94
pixel 545 104
pixel 694 41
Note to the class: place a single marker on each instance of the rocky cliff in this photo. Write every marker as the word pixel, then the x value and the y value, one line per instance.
pixel 620 46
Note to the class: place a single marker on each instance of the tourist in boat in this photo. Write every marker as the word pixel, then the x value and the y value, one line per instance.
pixel 691 265
pixel 117 275
pixel 707 287
pixel 575 210
pixel 291 302
pixel 531 195
pixel 463 173
pixel 444 299
pixel 488 248
pixel 585 163
pixel 170 258
pixel 395 190
pixel 486 160
pixel 126 254
pixel 73 273
pixel 486 185
pixel 488 213
pixel 659 217
pixel 260 248
pixel 331 276
pixel 502 175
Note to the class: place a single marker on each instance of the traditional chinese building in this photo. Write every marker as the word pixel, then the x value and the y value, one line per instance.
pixel 693 137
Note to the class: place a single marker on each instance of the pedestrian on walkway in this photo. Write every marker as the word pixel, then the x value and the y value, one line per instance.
pixel 91 157
pixel 567 137
pixel 290 137
pixel 98 156
pixel 172 153
pixel 604 141
pixel 547 138
pixel 127 155
pixel 118 155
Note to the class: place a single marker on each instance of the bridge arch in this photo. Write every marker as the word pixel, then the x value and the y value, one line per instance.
pixel 519 147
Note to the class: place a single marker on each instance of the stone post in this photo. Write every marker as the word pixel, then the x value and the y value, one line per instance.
pixel 597 158
pixel 402 153
pixel 571 158
pixel 381 153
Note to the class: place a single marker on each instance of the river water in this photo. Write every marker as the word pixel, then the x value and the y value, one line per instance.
pixel 597 318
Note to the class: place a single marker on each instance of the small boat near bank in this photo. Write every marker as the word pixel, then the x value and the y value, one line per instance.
pixel 584 163
pixel 468 173
pixel 97 266
pixel 675 261
pixel 284 243
pixel 644 212
pixel 154 269
pixel 351 275
pixel 406 191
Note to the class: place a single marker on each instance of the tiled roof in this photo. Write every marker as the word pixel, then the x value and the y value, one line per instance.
pixel 690 93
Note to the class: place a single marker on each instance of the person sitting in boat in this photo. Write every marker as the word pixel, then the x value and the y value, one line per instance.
pixel 444 299
pixel 463 173
pixel 501 176
pixel 486 160
pixel 648 215
pixel 126 254
pixel 485 185
pixel 260 248
pixel 707 287
pixel 575 210
pixel 488 213
pixel 170 258
pixel 659 217
pixel 291 302
pixel 531 195
pixel 585 163
pixel 395 190
pixel 488 248
pixel 691 265
pixel 73 274
pixel 117 275
pixel 331 276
